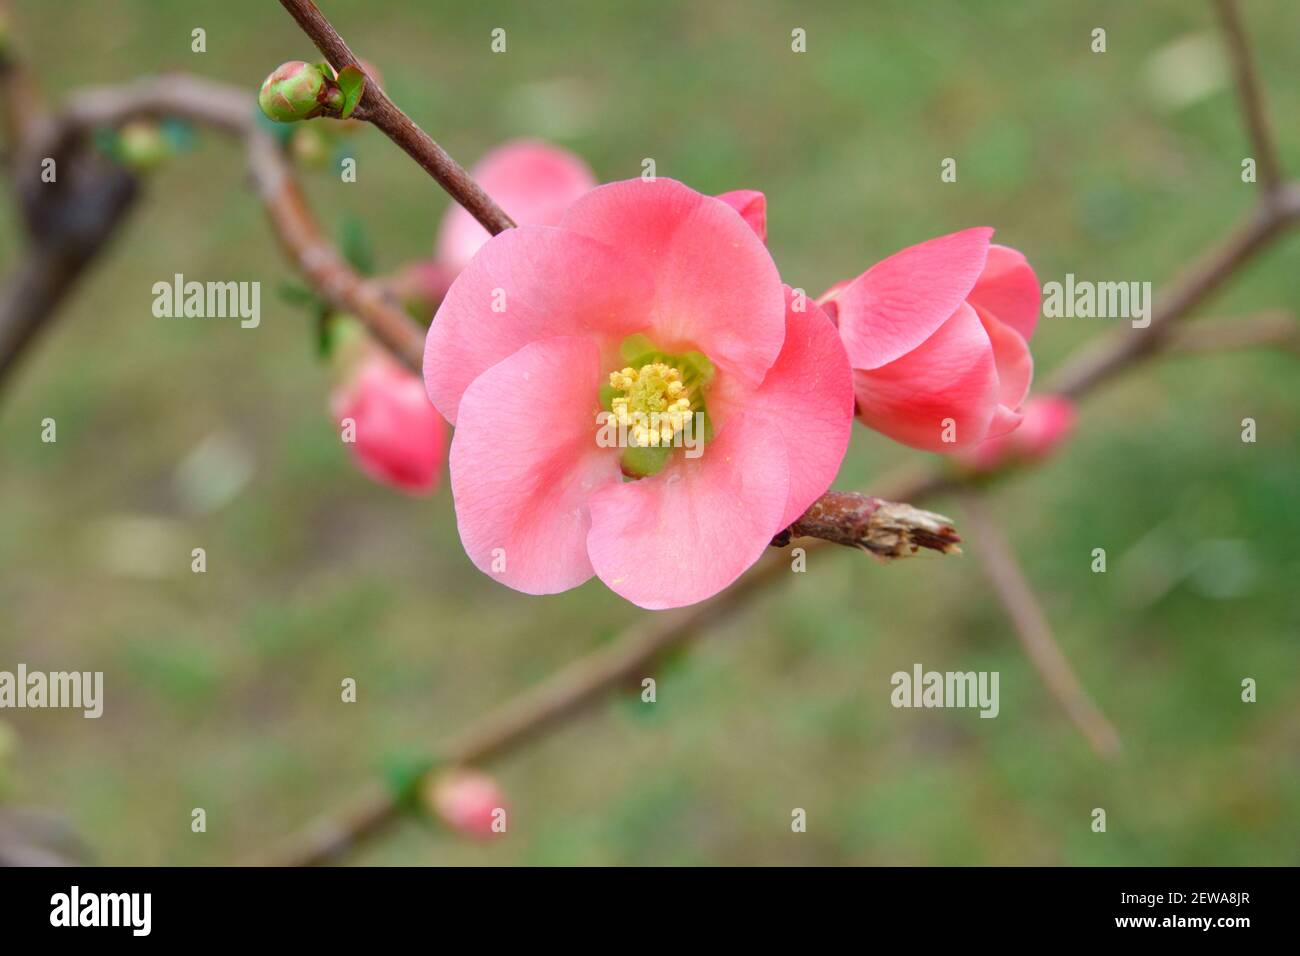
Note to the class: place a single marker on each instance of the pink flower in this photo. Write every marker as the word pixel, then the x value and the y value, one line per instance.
pixel 1048 423
pixel 467 801
pixel 938 338
pixel 647 295
pixel 397 436
pixel 532 181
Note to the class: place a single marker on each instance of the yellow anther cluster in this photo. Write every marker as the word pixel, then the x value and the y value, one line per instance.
pixel 654 405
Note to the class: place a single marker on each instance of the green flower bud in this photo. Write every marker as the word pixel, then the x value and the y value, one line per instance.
pixel 141 145
pixel 310 146
pixel 299 91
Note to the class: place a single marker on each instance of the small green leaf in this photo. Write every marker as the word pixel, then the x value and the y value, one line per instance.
pixel 353 83
pixel 295 294
pixel 402 774
pixel 354 242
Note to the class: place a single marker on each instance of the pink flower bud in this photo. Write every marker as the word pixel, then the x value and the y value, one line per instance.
pixel 468 801
pixel 938 337
pixel 396 435
pixel 1048 422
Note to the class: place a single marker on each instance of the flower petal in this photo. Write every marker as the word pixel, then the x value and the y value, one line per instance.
pixel 532 181
pixel 688 532
pixel 524 462
pixel 950 376
pixel 529 283
pixel 1008 290
pixel 752 206
pixel 716 287
pixel 899 302
pixel 1011 356
pixel 807 395
pixel 1004 421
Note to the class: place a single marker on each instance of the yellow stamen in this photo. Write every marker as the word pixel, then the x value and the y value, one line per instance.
pixel 655 404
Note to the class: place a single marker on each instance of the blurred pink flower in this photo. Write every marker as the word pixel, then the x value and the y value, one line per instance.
pixel 398 437
pixel 1048 422
pixel 938 336
pixel 467 801
pixel 532 181
pixel 652 294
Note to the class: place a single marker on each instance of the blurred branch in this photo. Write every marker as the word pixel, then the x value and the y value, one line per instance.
pixel 382 112
pixel 552 703
pixel 1251 99
pixel 66 223
pixel 1033 630
pixel 70 227
pixel 1275 328
pixel 228 109
pixel 20 102
pixel 1098 361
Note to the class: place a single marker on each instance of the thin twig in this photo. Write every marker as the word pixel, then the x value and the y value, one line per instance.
pixel 1246 78
pixel 1111 354
pixel 378 109
pixel 1275 328
pixel 1033 630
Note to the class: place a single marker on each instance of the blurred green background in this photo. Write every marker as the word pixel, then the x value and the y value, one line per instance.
pixel 222 689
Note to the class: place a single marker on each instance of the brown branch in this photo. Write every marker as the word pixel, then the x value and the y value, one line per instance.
pixel 80 221
pixel 1249 95
pixel 1033 630
pixel 21 108
pixel 378 109
pixel 66 223
pixel 1114 353
pixel 229 109
pixel 563 696
pixel 1275 328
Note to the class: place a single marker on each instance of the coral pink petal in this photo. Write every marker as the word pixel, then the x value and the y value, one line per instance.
pixel 533 182
pixel 752 206
pixel 899 302
pixel 1011 355
pixel 716 287
pixel 1004 421
pixel 529 283
pixel 688 532
pixel 524 462
pixel 1008 290
pixel 949 376
pixel 808 396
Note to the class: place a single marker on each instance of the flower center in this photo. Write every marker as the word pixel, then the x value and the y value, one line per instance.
pixel 655 404
pixel 651 402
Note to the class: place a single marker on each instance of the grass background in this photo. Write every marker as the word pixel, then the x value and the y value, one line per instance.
pixel 222 689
